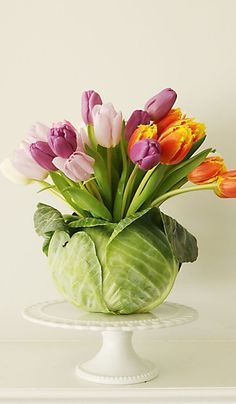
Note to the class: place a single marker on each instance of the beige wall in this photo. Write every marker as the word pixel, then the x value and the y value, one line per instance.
pixel 51 50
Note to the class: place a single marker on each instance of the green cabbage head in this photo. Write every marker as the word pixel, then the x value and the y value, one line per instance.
pixel 122 268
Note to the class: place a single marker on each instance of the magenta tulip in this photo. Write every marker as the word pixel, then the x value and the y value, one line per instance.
pixel 159 105
pixel 89 100
pixel 146 153
pixel 63 139
pixel 138 117
pixel 43 155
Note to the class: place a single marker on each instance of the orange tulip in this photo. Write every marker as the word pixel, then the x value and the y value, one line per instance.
pixel 142 132
pixel 175 144
pixel 168 120
pixel 208 171
pixel 226 185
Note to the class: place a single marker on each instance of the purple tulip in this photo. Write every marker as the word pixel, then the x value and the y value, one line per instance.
pixel 43 155
pixel 159 105
pixel 63 139
pixel 89 100
pixel 146 153
pixel 138 117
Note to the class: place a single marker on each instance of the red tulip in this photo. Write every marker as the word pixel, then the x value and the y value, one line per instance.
pixel 226 185
pixel 208 171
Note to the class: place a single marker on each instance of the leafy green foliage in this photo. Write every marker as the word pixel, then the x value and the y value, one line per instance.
pixel 183 243
pixel 86 201
pixel 76 270
pixel 89 222
pixel 46 221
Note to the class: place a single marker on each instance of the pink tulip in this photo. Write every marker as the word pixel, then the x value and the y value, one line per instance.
pixel 38 131
pixel 159 105
pixel 89 99
pixel 78 167
pixel 26 165
pixel 107 125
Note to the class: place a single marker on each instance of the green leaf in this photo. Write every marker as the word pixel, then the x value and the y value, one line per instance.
pixel 101 175
pixel 195 147
pixel 179 171
pixel 183 243
pixel 85 201
pixel 47 219
pixel 76 270
pixel 126 222
pixel 121 185
pixel 89 222
pixel 62 185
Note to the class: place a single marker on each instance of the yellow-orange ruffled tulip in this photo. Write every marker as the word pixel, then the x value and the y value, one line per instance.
pixel 208 171
pixel 226 185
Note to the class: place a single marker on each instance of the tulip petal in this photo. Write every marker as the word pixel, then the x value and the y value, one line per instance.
pixel 27 166
pixel 12 174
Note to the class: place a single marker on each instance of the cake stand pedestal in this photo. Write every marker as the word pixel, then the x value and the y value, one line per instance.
pixel 116 362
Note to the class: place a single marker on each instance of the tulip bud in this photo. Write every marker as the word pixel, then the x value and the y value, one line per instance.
pixel 175 144
pixel 208 171
pixel 89 100
pixel 142 132
pixel 78 167
pixel 62 139
pixel 146 153
pixel 137 118
pixel 43 155
pixel 226 185
pixel 159 105
pixel 107 125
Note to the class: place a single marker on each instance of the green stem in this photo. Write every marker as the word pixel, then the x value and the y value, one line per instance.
pixel 128 188
pixel 175 192
pixel 95 190
pixel 92 137
pixel 109 163
pixel 140 188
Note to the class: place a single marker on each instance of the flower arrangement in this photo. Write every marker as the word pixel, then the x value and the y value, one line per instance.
pixel 116 251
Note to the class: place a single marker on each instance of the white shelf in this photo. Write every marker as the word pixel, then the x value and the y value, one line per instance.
pixel 192 371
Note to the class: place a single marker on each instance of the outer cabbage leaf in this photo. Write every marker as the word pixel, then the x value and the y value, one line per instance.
pixel 76 270
pixel 139 269
pixel 183 243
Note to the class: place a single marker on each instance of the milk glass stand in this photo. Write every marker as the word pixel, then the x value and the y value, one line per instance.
pixel 116 362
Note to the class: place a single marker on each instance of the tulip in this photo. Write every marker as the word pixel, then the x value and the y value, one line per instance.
pixel 142 132
pixel 24 163
pixel 107 125
pixel 159 105
pixel 11 173
pixel 63 139
pixel 146 153
pixel 89 100
pixel 168 120
pixel 43 155
pixel 38 131
pixel 198 129
pixel 208 171
pixel 78 167
pixel 226 185
pixel 175 144
pixel 137 118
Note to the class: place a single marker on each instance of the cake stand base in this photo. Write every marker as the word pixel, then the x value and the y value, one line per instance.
pixel 117 362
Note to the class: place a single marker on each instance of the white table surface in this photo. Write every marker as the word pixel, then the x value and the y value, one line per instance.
pixel 191 371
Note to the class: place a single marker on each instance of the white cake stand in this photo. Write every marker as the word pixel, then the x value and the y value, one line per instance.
pixel 116 362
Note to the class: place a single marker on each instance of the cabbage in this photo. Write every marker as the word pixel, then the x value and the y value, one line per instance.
pixel 123 268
